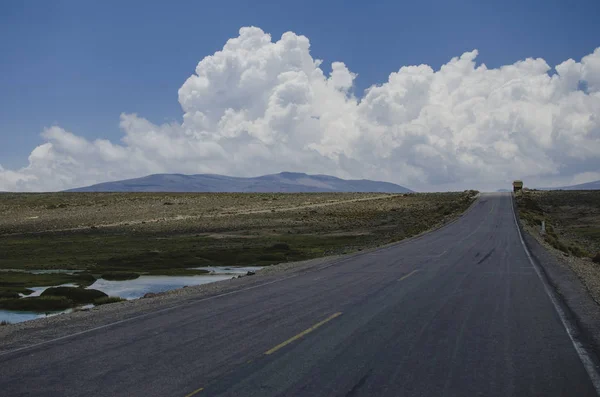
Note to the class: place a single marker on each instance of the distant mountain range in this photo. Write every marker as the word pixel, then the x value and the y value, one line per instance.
pixel 288 182
pixel 584 186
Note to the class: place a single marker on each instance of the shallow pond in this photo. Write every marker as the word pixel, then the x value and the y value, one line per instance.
pixel 17 317
pixel 229 270
pixel 133 289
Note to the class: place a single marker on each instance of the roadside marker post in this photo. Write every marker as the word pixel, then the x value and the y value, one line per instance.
pixel 543 231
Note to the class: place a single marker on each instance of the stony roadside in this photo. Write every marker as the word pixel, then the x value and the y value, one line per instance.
pixel 584 268
pixel 576 288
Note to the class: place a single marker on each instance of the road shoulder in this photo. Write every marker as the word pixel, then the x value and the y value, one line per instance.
pixel 583 311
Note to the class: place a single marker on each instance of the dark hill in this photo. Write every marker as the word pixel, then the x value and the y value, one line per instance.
pixel 289 182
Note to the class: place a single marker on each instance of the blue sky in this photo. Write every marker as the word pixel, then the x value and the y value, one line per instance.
pixel 80 64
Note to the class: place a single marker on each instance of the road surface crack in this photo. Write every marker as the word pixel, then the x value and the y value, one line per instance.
pixel 486 256
pixel 359 384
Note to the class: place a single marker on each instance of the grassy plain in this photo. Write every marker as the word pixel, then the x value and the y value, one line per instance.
pixel 572 218
pixel 166 233
pixel 572 227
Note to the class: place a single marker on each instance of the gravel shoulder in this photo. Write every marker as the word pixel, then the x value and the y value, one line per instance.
pixel 576 293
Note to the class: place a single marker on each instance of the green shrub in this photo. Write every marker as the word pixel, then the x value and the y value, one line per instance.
pixel 562 246
pixel 19 281
pixel 271 257
pixel 13 289
pixel 107 300
pixel 577 251
pixel 530 204
pixel 551 240
pixel 84 279
pixel 9 295
pixel 556 243
pixel 280 247
pixel 77 295
pixel 37 304
pixel 116 276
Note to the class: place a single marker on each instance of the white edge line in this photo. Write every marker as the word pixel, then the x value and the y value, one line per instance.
pixel 187 302
pixel 584 355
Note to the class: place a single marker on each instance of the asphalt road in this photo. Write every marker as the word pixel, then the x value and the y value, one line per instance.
pixel 457 312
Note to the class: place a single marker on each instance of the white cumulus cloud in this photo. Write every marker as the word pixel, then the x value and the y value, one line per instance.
pixel 262 106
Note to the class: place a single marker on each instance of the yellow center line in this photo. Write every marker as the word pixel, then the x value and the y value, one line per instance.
pixel 408 275
pixel 194 392
pixel 301 334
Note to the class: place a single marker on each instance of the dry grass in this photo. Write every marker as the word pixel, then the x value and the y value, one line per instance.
pixel 170 233
pixel 108 300
pixel 27 213
pixel 573 228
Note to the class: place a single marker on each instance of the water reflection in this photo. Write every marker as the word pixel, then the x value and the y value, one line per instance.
pixel 133 289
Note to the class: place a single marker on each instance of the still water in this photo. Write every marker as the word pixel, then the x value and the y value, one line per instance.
pixel 133 289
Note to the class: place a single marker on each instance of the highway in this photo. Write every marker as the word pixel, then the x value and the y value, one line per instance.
pixel 457 312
